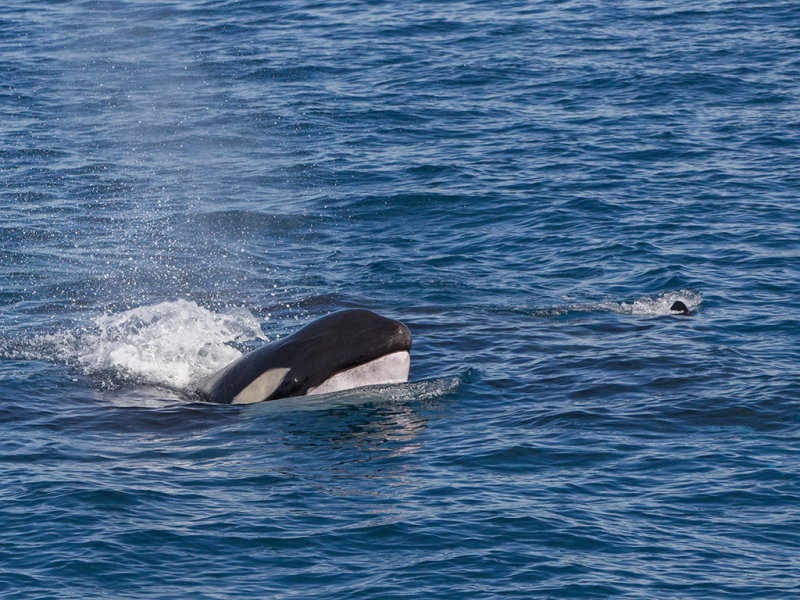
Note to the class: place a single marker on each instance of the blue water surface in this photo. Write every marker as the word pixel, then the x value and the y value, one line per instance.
pixel 527 185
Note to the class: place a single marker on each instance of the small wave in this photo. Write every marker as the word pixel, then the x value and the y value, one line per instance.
pixel 425 390
pixel 169 344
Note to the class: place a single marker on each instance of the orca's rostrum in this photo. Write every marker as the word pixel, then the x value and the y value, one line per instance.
pixel 347 349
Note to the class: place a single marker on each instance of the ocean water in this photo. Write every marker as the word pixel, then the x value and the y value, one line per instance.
pixel 527 185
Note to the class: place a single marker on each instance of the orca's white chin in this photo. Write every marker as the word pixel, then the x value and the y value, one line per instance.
pixel 391 368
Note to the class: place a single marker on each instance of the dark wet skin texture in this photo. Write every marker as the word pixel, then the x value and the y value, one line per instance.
pixel 680 307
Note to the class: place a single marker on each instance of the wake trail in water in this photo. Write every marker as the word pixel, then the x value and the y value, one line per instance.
pixel 645 306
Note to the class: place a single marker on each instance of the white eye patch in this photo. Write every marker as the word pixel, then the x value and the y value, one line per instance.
pixel 261 387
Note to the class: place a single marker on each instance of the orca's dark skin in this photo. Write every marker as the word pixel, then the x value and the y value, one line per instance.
pixel 304 360
pixel 680 307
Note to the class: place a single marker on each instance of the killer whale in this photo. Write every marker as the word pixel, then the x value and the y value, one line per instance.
pixel 346 349
pixel 680 307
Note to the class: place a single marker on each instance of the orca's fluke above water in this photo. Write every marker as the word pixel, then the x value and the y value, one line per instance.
pixel 347 349
pixel 680 307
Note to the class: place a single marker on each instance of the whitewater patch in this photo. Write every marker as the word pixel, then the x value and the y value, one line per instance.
pixel 660 305
pixel 645 306
pixel 169 344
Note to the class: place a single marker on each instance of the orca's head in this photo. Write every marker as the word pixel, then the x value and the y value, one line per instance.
pixel 680 307
pixel 347 349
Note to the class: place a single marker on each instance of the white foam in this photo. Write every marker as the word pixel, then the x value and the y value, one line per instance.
pixel 660 305
pixel 168 344
pixel 647 306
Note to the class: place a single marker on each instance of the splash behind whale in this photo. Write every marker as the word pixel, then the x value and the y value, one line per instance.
pixel 347 349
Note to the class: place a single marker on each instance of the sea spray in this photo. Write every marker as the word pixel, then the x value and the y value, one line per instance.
pixel 169 344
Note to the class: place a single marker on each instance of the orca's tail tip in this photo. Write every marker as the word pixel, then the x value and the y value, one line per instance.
pixel 680 307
